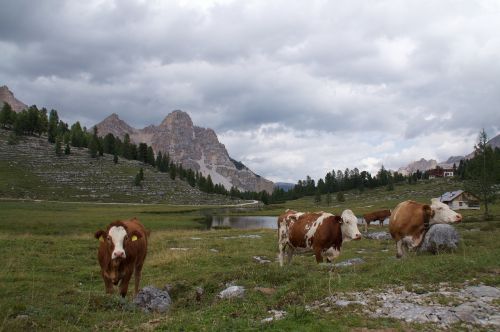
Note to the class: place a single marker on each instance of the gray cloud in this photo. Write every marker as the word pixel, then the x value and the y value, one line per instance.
pixel 387 71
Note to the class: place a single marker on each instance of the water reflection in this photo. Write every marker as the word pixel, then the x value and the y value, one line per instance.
pixel 245 222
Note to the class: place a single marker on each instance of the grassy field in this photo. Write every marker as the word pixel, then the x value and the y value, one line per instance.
pixel 49 276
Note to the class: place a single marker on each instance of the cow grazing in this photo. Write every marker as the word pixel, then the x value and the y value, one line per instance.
pixel 379 215
pixel 122 250
pixel 410 221
pixel 320 232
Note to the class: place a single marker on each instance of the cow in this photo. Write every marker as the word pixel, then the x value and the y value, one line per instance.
pixel 379 215
pixel 122 250
pixel 410 221
pixel 320 232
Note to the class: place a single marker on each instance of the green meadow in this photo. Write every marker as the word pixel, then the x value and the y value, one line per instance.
pixel 50 280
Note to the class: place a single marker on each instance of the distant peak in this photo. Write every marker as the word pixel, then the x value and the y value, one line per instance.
pixel 176 117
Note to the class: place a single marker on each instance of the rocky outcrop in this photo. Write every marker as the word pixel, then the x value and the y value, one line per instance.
pixel 421 165
pixel 195 147
pixel 8 97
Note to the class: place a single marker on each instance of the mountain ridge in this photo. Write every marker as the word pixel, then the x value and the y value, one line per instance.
pixel 194 147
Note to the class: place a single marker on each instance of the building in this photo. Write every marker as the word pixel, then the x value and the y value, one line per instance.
pixel 439 172
pixel 460 199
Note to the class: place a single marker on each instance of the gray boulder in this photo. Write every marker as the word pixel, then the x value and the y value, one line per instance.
pixel 440 238
pixel 153 299
pixel 232 292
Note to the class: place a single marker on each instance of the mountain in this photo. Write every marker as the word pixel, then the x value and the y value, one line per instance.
pixel 8 97
pixel 195 147
pixel 424 165
pixel 421 165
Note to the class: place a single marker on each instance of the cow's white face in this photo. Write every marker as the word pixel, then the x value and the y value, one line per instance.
pixel 117 235
pixel 349 226
pixel 443 214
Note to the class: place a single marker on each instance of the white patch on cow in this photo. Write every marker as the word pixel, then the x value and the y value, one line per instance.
pixel 117 234
pixel 331 253
pixel 443 214
pixel 314 227
pixel 349 226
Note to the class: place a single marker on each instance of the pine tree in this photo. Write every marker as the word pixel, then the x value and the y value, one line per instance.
pixel 340 197
pixel 58 148
pixel 7 116
pixel 150 156
pixel 328 199
pixel 67 150
pixel 115 158
pixel 317 197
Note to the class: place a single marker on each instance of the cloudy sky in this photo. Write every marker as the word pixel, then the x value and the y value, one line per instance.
pixel 292 88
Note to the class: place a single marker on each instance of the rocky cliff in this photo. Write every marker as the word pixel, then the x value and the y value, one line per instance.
pixel 421 165
pixel 195 147
pixel 7 96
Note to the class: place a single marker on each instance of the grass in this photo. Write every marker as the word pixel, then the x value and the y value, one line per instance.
pixel 49 276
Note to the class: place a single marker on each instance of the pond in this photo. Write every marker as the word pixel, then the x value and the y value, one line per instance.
pixel 249 222
pixel 245 222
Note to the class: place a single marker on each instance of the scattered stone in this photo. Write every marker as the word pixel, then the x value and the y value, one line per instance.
pixel 196 238
pixel 472 306
pixel 265 290
pixel 22 317
pixel 249 236
pixel 214 250
pixel 377 235
pixel 350 262
pixel 153 299
pixel 261 260
pixel 180 249
pixel 440 238
pixel 276 315
pixel 199 291
pixel 232 292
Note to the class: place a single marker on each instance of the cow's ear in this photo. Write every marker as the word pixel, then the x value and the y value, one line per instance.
pixel 135 235
pixel 339 219
pixel 433 213
pixel 100 235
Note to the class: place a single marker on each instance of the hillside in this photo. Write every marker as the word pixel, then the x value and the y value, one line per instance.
pixel 31 170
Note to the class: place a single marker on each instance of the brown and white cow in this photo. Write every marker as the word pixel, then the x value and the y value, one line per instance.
pixel 379 215
pixel 122 250
pixel 320 232
pixel 410 221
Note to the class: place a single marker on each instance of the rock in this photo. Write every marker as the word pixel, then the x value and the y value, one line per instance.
pixel 265 291
pixel 214 250
pixel 153 299
pixel 483 291
pixel 349 262
pixel 199 291
pixel 261 260
pixel 232 292
pixel 377 236
pixel 440 238
pixel 276 315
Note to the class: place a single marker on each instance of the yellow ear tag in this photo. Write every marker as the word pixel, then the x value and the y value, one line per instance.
pixel 134 237
pixel 101 238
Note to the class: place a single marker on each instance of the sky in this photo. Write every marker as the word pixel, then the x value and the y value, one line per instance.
pixel 292 88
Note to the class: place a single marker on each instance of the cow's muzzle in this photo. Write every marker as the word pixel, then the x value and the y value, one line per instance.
pixel 357 237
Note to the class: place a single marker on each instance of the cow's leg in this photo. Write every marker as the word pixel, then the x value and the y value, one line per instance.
pixel 124 283
pixel 108 284
pixel 137 278
pixel 399 247
pixel 319 256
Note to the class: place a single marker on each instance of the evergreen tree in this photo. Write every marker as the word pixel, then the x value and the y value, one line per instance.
pixel 317 197
pixel 58 148
pixel 77 135
pixel 340 197
pixel 328 199
pixel 150 156
pixel 52 126
pixel 142 152
pixel 115 158
pixel 7 116
pixel 67 150
pixel 94 144
pixel 481 172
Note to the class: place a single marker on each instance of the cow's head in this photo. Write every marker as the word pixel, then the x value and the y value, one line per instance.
pixel 117 238
pixel 442 214
pixel 349 226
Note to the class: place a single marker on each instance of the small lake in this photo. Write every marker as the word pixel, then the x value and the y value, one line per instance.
pixel 249 222
pixel 245 222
